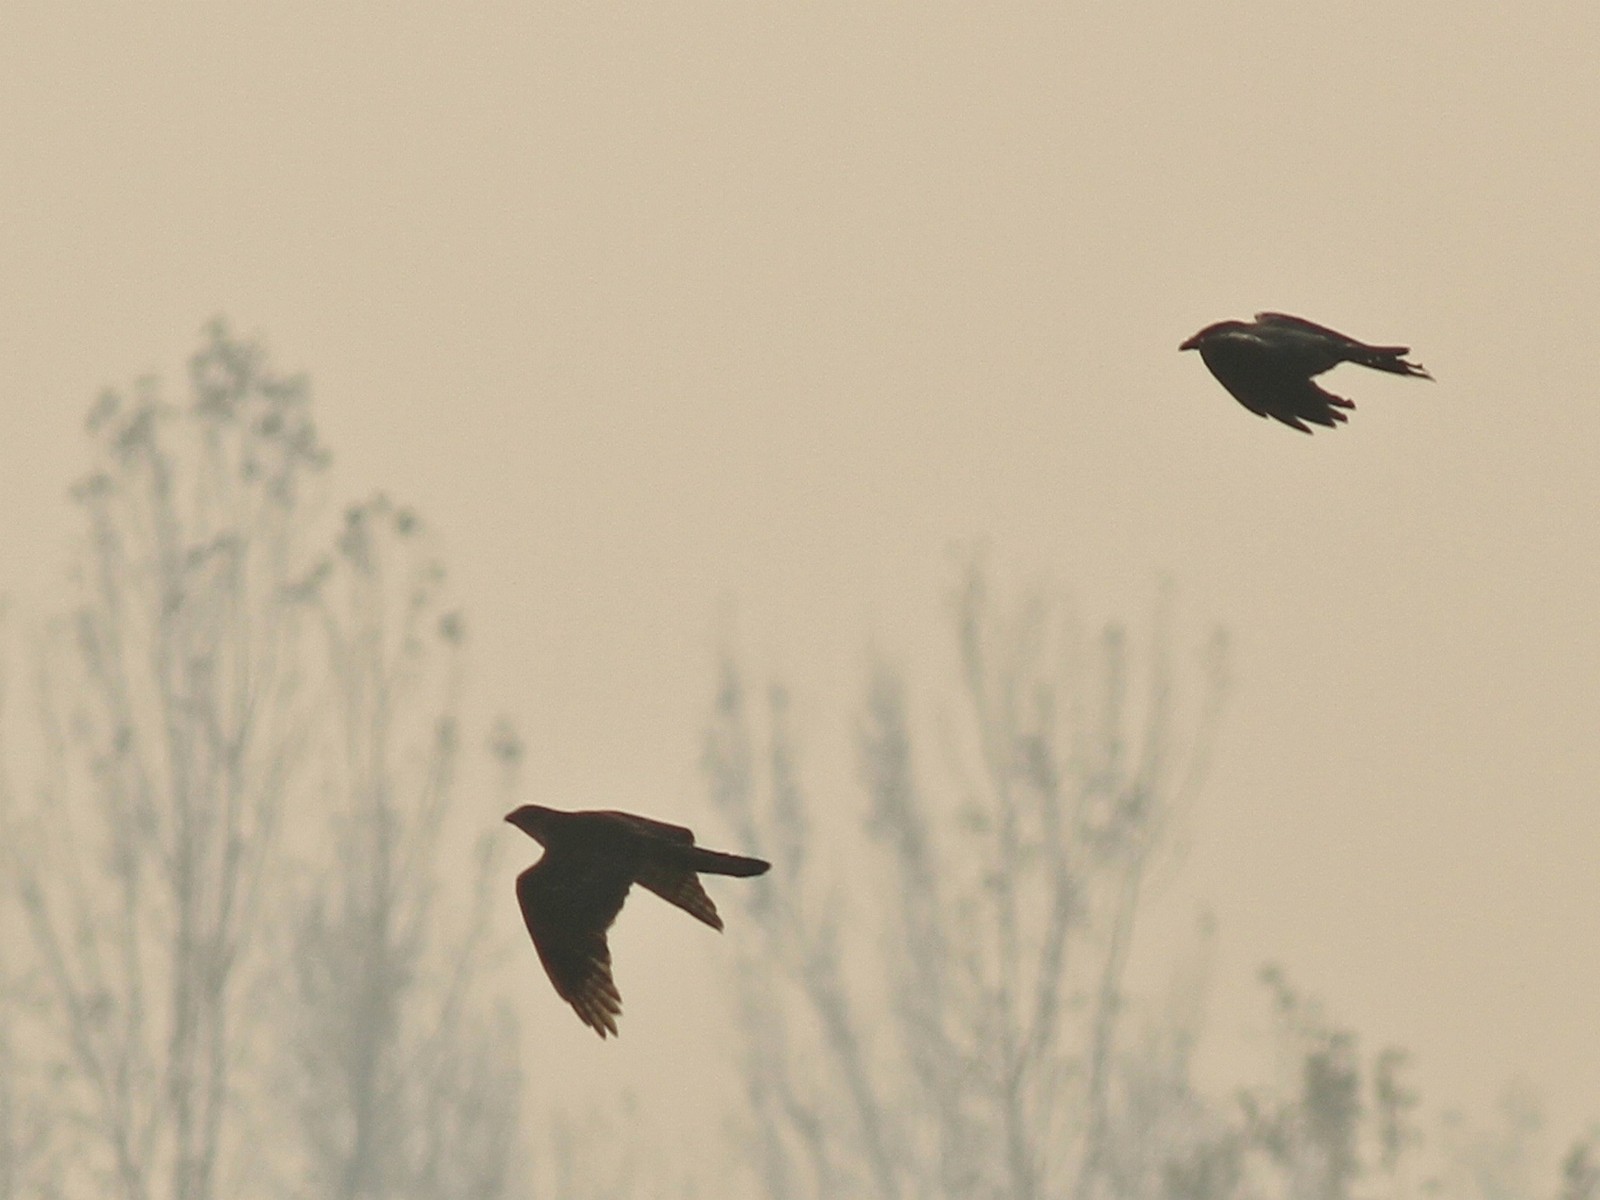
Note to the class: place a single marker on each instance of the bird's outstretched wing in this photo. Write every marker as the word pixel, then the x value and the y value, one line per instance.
pixel 671 869
pixel 648 827
pixel 1292 399
pixel 679 885
pixel 1286 321
pixel 568 903
pixel 1298 401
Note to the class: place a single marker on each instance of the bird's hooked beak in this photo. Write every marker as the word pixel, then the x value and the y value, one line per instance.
pixel 1192 344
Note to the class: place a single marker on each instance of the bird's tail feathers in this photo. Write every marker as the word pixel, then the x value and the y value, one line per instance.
pixel 715 862
pixel 1391 359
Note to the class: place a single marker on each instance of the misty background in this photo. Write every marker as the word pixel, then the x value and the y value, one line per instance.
pixel 700 344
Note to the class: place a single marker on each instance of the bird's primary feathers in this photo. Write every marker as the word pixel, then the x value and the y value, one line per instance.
pixel 570 897
pixel 1267 364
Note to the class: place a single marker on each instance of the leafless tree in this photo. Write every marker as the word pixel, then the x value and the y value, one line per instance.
pixel 1306 1130
pixel 172 720
pixel 220 1001
pixel 1331 1126
pixel 405 1084
pixel 967 1046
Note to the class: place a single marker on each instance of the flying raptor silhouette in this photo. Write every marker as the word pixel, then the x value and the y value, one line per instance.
pixel 1268 364
pixel 571 896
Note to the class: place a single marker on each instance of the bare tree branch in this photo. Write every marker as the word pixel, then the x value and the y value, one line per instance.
pixel 171 718
pixel 182 699
pixel 402 1081
pixel 976 1052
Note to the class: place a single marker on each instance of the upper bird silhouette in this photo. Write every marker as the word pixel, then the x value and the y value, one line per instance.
pixel 572 894
pixel 1268 364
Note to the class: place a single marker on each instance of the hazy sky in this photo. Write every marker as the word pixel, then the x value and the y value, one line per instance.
pixel 674 310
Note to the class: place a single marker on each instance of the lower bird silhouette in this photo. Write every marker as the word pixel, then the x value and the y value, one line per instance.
pixel 1268 364
pixel 570 897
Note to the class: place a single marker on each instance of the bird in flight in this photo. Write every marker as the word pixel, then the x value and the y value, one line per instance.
pixel 572 894
pixel 1267 364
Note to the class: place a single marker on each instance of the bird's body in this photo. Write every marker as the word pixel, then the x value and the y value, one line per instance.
pixel 570 897
pixel 1267 365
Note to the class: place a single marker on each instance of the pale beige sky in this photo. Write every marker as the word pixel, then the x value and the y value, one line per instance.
pixel 661 310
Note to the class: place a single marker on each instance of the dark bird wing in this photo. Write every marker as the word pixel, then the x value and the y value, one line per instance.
pixel 647 827
pixel 568 903
pixel 668 866
pixel 1285 321
pixel 670 872
pixel 1302 400
pixel 680 886
pixel 1288 397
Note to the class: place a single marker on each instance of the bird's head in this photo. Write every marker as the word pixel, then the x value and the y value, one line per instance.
pixel 1211 331
pixel 533 820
